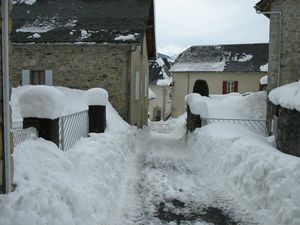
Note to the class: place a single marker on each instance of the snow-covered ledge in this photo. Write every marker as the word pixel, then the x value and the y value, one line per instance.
pixel 287 96
pixel 41 106
pixel 97 99
pixel 197 104
pixel 196 109
pixel 96 96
pixel 41 102
pixel 286 113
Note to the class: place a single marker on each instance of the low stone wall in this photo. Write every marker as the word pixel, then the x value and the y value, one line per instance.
pixel 288 131
pixel 192 121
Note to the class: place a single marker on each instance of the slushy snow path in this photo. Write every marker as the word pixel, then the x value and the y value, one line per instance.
pixel 169 186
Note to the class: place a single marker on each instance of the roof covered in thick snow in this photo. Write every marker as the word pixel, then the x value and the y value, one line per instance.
pixel 223 58
pixel 68 21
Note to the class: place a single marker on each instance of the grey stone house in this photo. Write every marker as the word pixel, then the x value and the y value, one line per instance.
pixel 284 68
pixel 84 44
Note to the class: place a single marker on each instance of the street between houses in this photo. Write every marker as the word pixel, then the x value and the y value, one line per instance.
pixel 169 185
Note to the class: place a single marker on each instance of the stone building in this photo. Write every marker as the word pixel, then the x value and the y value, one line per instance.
pixel 85 44
pixel 284 68
pixel 225 68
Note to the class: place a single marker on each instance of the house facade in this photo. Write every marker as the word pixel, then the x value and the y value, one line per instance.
pixel 225 68
pixel 86 44
pixel 284 70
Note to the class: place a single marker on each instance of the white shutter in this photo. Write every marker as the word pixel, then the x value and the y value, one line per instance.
pixel 146 85
pixel 25 77
pixel 49 77
pixel 137 85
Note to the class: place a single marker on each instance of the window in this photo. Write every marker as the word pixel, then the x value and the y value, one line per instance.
pixel 37 77
pixel 137 85
pixel 230 86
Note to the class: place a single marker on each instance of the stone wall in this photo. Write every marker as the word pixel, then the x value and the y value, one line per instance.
pixel 192 121
pixel 288 131
pixel 77 66
pixel 290 47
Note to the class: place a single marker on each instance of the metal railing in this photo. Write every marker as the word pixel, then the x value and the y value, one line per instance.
pixel 20 135
pixel 72 128
pixel 258 126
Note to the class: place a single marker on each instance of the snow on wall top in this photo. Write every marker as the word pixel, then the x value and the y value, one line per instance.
pixel 197 104
pixel 70 21
pixel 264 80
pixel 219 58
pixel 287 96
pixel 96 96
pixel 42 102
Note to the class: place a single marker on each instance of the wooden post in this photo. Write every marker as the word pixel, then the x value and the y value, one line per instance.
pixel 97 118
pixel 47 128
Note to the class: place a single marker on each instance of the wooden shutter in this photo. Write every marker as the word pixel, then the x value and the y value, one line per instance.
pixel 224 87
pixel 236 86
pixel 49 77
pixel 25 77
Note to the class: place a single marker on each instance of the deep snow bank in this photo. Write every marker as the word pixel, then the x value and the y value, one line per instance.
pixel 266 179
pixel 81 186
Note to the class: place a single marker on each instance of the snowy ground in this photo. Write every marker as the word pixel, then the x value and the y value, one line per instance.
pixel 157 175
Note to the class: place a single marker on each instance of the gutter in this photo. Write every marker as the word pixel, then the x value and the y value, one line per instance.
pixel 6 111
pixel 128 83
pixel 279 39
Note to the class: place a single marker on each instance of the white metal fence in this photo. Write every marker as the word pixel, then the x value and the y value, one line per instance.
pixel 20 135
pixel 258 126
pixel 72 128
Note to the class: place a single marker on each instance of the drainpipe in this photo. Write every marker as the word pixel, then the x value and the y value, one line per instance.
pixel 188 84
pixel 279 39
pixel 128 83
pixel 6 112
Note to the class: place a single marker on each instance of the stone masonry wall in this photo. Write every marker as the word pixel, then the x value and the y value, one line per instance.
pixel 288 131
pixel 77 66
pixel 290 45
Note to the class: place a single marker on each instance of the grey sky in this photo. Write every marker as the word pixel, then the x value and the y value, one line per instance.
pixel 182 23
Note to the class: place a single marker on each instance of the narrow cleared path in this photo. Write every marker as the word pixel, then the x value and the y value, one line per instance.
pixel 168 185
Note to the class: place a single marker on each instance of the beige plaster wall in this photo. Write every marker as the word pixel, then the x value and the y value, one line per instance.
pixel 139 108
pixel 184 82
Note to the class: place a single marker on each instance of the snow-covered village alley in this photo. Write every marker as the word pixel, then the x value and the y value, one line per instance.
pixel 221 174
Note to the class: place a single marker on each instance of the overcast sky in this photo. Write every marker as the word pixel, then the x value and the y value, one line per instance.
pixel 182 23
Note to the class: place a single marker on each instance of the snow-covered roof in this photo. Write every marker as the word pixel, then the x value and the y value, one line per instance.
pixel 219 58
pixel 287 96
pixel 69 21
